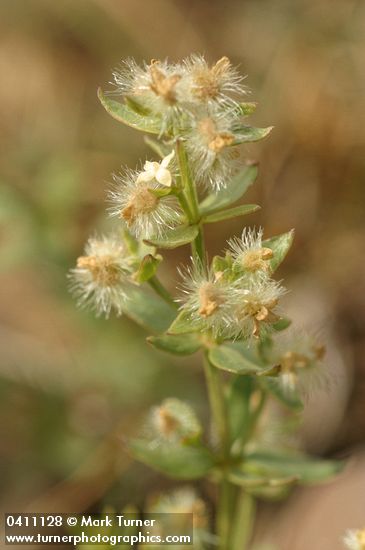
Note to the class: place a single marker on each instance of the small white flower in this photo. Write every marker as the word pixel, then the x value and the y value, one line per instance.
pixel 208 301
pixel 256 306
pixel 248 254
pixel 102 276
pixel 355 539
pixel 209 145
pixel 219 83
pixel 145 214
pixel 157 171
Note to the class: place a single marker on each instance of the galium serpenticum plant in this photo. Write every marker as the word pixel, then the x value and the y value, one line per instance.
pixel 228 308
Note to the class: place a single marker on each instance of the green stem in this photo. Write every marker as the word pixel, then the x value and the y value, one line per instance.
pixel 198 247
pixel 224 514
pixel 185 205
pixel 159 288
pixel 189 202
pixel 255 415
pixel 243 521
pixel 219 414
pixel 188 184
pixel 216 401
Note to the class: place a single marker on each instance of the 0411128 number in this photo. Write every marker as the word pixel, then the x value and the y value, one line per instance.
pixel 33 521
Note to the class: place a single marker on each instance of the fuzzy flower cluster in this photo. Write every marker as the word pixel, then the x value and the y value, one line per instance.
pixel 173 421
pixel 240 301
pixel 355 539
pixel 136 199
pixel 180 504
pixel 102 276
pixel 193 100
pixel 298 359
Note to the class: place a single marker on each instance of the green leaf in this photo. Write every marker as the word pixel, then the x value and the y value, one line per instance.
pixel 273 370
pixel 246 134
pixel 231 359
pixel 163 191
pixel 271 493
pixel 131 242
pixel 226 196
pixel 307 469
pixel 247 108
pixel 231 213
pixel 282 324
pixel 177 344
pixel 124 113
pixel 136 106
pixel 280 246
pixel 173 238
pixel 288 398
pixel 247 480
pixel 221 264
pixel 137 249
pixel 177 461
pixel 148 310
pixel 183 324
pixel 147 268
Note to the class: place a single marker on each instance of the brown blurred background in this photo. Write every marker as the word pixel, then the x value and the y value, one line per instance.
pixel 72 386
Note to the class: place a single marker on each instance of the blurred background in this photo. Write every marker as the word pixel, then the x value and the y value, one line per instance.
pixel 72 387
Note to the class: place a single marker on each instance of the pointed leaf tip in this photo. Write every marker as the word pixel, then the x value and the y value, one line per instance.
pixel 123 112
pixel 173 238
pixel 179 344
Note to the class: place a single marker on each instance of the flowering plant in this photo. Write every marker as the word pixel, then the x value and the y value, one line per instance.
pixel 228 308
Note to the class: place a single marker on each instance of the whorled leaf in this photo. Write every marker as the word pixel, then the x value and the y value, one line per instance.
pixel 234 190
pixel 248 480
pixel 147 268
pixel 220 263
pixel 179 344
pixel 280 246
pixel 163 192
pixel 247 134
pixel 306 469
pixel 174 238
pixel 176 461
pixel 123 112
pixel 233 358
pixel 242 210
pixel 183 324
pixel 282 324
pixel 148 310
pixel 136 106
pixel 271 493
pixel 289 398
pixel 246 108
